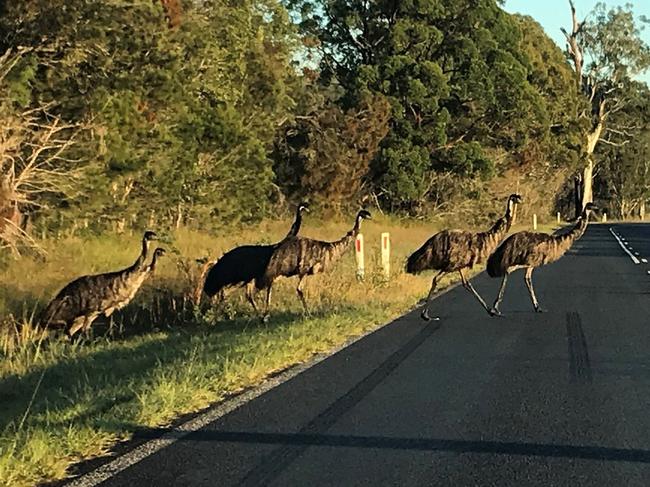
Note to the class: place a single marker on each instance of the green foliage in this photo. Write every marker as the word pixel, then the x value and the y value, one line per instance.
pixel 458 79
pixel 625 175
pixel 210 121
pixel 617 52
pixel 556 135
pixel 180 119
pixel 325 155
pixel 612 37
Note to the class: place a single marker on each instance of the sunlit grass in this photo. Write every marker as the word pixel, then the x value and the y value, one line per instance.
pixel 67 401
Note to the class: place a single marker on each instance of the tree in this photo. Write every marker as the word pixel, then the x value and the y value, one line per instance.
pixel 454 74
pixel 606 52
pixel 33 157
pixel 624 174
pixel 180 121
pixel 325 155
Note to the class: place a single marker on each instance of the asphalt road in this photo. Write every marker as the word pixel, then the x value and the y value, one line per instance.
pixel 560 398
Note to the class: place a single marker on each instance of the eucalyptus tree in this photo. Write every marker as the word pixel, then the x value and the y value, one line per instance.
pixel 606 51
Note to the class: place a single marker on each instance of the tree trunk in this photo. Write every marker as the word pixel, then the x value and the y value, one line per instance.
pixel 588 172
pixel 574 49
pixel 577 194
pixel 642 210
pixel 587 183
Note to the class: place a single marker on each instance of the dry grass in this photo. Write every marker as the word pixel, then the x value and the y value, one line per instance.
pixel 66 401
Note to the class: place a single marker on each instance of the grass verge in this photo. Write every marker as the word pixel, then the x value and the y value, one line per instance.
pixel 64 402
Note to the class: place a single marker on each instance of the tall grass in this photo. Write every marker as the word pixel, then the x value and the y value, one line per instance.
pixel 66 401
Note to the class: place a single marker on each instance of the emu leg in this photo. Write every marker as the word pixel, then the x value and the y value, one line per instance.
pixel 301 294
pixel 89 321
pixel 434 283
pixel 218 299
pixel 468 285
pixel 265 316
pixel 528 277
pixel 250 296
pixel 497 302
pixel 77 325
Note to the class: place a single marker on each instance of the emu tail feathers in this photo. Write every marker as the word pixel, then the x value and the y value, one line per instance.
pixel 496 265
pixel 212 284
pixel 417 261
pixel 51 315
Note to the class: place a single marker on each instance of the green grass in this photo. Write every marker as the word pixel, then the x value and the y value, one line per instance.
pixel 67 401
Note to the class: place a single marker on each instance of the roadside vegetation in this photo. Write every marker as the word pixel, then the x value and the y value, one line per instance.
pixel 207 122
pixel 64 401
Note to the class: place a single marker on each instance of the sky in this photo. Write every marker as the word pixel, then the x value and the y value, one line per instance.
pixel 553 14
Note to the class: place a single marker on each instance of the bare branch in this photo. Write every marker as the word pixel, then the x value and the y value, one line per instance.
pixel 573 47
pixel 33 162
pixel 615 144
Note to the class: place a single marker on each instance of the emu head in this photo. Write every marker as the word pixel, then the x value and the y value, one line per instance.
pixel 364 215
pixel 149 236
pixel 589 207
pixel 159 252
pixel 304 206
pixel 515 198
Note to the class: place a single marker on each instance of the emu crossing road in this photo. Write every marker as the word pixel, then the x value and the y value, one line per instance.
pixel 559 398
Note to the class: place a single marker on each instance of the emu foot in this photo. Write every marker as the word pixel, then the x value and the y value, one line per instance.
pixel 425 316
pixel 495 312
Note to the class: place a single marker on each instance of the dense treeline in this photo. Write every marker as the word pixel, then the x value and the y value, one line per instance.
pixel 219 111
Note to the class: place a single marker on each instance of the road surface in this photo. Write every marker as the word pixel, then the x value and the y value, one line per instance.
pixel 561 398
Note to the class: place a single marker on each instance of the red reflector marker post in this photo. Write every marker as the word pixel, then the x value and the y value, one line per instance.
pixel 358 252
pixel 385 254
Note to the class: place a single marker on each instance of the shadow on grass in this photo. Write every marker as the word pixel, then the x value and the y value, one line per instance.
pixel 84 385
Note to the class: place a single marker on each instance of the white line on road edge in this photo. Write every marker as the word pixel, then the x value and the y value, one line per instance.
pixel 634 259
pixel 122 462
pixel 645 261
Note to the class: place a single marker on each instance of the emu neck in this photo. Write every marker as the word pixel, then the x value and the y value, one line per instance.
pixel 564 242
pixel 338 247
pixel 152 266
pixel 138 264
pixel 575 233
pixel 295 226
pixel 501 226
pixel 357 226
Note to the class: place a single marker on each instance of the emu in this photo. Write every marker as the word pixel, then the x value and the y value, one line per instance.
pixel 529 250
pixel 455 250
pixel 81 301
pixel 243 265
pixel 300 256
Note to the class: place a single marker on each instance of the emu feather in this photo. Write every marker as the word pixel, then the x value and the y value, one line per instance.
pixel 81 301
pixel 300 256
pixel 243 265
pixel 455 250
pixel 530 250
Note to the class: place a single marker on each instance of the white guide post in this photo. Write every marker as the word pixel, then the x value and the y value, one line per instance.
pixel 534 221
pixel 604 216
pixel 558 217
pixel 358 252
pixel 385 254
